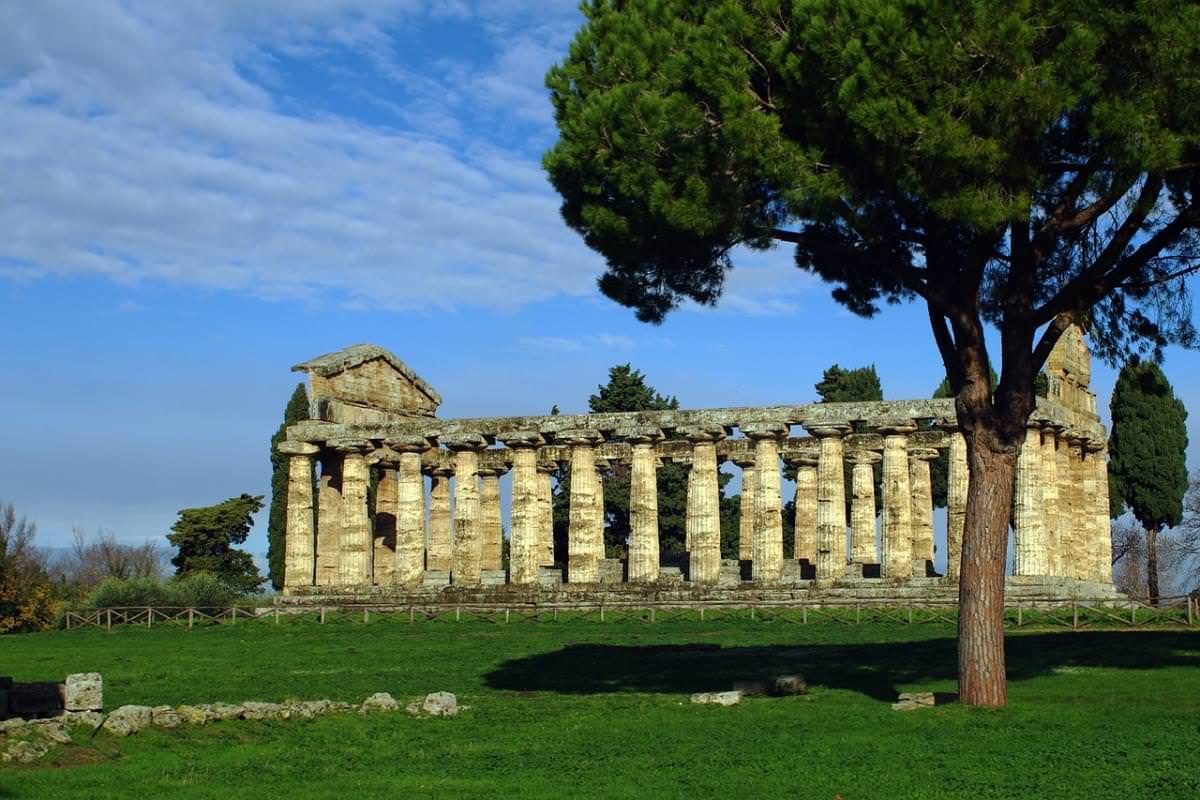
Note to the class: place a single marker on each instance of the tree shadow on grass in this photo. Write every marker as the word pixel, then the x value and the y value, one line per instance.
pixel 875 669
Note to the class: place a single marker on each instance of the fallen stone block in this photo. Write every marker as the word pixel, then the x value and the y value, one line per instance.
pixel 718 698
pixel 223 711
pixel 83 691
pixel 25 752
pixel 440 704
pixel 789 685
pixel 82 719
pixel 920 698
pixel 128 720
pixel 193 715
pixel 165 717
pixel 260 711
pixel 380 701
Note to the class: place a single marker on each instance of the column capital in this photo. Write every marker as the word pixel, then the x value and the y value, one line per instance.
pixel 521 439
pixel 764 430
pixel 383 455
pixel 492 470
pixel 947 424
pixel 896 427
pixel 864 457
pixel 1095 445
pixel 801 458
pixel 641 435
pixel 826 430
pixel 922 454
pixel 743 460
pixel 350 446
pixel 702 434
pixel 580 437
pixel 441 471
pixel 461 442
pixel 547 467
pixel 409 444
pixel 293 448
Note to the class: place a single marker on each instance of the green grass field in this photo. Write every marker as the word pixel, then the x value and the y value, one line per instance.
pixel 584 709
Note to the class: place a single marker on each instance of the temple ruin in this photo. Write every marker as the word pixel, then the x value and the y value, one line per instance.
pixel 436 528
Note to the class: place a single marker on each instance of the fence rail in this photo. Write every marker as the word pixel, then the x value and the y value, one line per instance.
pixel 1019 613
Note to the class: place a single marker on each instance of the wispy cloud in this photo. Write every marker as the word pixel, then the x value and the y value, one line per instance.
pixel 600 342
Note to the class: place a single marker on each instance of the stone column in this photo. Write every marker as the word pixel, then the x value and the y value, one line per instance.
pixel 922 508
pixel 1071 542
pixel 746 508
pixel 299 559
pixel 1049 488
pixel 897 502
pixel 1101 545
pixel 329 517
pixel 585 536
pixel 831 501
pixel 355 551
pixel 439 557
pixel 1068 498
pixel 805 542
pixel 1086 533
pixel 524 540
pixel 767 563
pixel 704 510
pixel 545 503
pixel 1029 542
pixel 956 502
pixel 491 525
pixel 643 508
pixel 468 541
pixel 408 565
pixel 862 507
pixel 387 498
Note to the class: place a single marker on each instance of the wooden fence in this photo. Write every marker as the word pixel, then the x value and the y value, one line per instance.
pixel 1019 613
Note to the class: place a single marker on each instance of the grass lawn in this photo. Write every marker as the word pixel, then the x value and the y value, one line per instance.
pixel 588 709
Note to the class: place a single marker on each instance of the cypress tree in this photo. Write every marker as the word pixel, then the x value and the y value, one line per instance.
pixel 1147 464
pixel 296 411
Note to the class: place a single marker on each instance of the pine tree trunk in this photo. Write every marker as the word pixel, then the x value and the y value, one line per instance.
pixel 981 674
pixel 1152 564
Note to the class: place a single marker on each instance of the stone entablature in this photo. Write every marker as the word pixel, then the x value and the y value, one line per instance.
pixel 366 384
pixel 452 534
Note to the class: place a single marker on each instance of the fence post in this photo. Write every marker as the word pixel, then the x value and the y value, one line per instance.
pixel 702 614
pixel 366 615
pixel 857 612
pixel 149 617
pixel 109 612
pixel 1133 612
pixel 1020 615
pixel 602 612
pixel 322 615
pixel 276 616
pixel 506 616
pixel 458 613
pixel 752 612
pixel 1189 605
pixel 804 614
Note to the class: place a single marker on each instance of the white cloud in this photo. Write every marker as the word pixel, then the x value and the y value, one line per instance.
pixel 600 342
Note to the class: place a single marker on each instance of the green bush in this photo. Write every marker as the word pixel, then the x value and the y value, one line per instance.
pixel 199 589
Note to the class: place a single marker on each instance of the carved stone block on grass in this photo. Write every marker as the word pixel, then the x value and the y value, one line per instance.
pixel 128 720
pixel 84 692
pixel 718 698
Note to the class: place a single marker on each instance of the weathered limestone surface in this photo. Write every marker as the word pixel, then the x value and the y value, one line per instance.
pixel 545 501
pixel 704 514
pixel 1050 501
pixel 1029 544
pixel 922 503
pixel 1101 546
pixel 643 511
pixel 956 503
pixel 806 509
pixel 767 565
pixel 408 564
pixel 299 560
pixel 467 541
pixel 524 542
pixel 1075 552
pixel 1068 497
pixel 367 384
pixel 897 503
pixel 329 520
pixel 440 554
pixel 387 500
pixel 84 691
pixel 354 554
pixel 128 720
pixel 746 508
pixel 491 526
pixel 585 547
pixel 862 508
pixel 831 502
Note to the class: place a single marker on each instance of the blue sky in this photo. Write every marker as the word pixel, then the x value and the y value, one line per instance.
pixel 197 195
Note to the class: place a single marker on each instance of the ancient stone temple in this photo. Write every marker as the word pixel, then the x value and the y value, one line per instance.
pixel 437 525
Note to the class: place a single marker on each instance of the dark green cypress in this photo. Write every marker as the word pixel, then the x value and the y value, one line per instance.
pixel 296 411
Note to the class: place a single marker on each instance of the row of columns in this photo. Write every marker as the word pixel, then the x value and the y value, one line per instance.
pixel 1059 523
pixel 1060 506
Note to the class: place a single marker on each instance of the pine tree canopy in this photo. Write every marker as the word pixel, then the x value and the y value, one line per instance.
pixel 627 390
pixel 838 385
pixel 1148 446
pixel 205 538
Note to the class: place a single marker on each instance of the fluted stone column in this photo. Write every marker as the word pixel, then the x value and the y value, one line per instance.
pixel 545 504
pixel 805 542
pixel 585 536
pixel 767 563
pixel 922 508
pixel 355 550
pixel 1082 496
pixel 1101 545
pixel 1081 551
pixel 329 517
pixel 831 502
pixel 468 539
pixel 299 559
pixel 643 508
pixel 862 507
pixel 704 512
pixel 1049 488
pixel 1068 498
pixel 897 502
pixel 387 499
pixel 746 508
pixel 1029 542
pixel 408 565
pixel 956 502
pixel 439 555
pixel 524 541
pixel 491 525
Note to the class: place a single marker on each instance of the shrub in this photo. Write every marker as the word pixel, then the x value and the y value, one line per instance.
pixel 118 592
pixel 198 589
